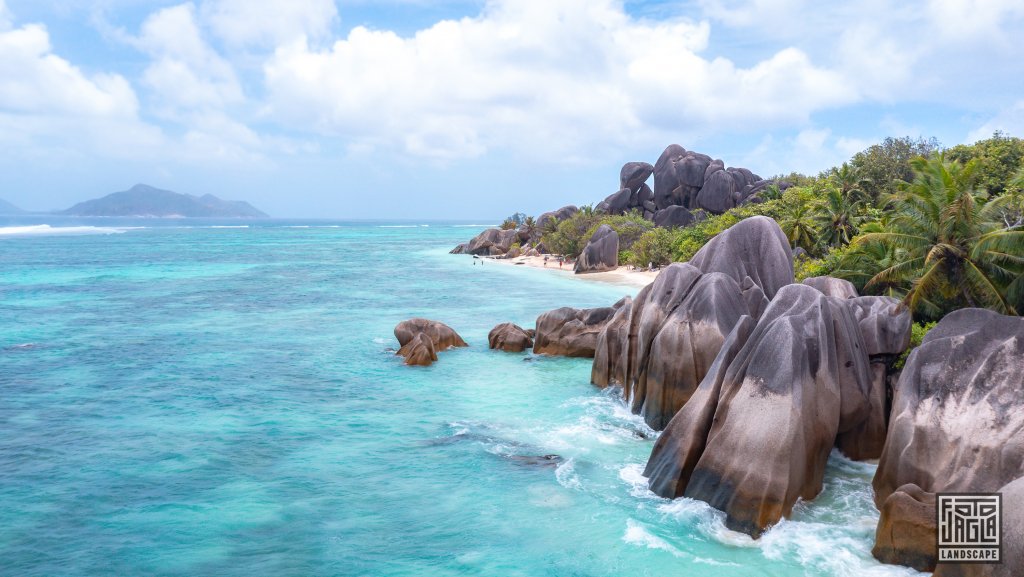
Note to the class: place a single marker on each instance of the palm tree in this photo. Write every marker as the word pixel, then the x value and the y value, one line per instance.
pixel 837 217
pixel 850 182
pixel 956 251
pixel 797 222
pixel 860 263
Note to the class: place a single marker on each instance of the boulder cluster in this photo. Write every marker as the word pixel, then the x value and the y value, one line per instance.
pixel 687 185
pixel 421 339
pixel 755 379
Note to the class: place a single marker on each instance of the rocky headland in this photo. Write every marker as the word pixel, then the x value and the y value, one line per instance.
pixel 688 185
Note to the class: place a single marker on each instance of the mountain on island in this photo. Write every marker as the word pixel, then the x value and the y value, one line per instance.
pixel 8 208
pixel 145 200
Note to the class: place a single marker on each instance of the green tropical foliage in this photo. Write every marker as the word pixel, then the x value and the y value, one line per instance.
pixel 951 246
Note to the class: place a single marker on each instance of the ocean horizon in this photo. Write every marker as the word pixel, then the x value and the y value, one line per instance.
pixel 223 398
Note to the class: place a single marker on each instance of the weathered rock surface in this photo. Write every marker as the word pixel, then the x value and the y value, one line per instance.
pixel 957 422
pixel 510 338
pixel 558 215
pixel 784 394
pixel 420 339
pixel 685 346
pixel 673 217
pixel 676 325
pixel 833 287
pixel 884 325
pixel 754 247
pixel 572 332
pixel 666 181
pixel 634 174
pixel 601 253
pixel 491 242
pixel 609 355
pixel 906 529
pixel 419 351
pixel 616 203
pixel 716 196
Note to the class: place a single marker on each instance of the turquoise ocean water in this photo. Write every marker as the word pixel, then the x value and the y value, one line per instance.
pixel 197 400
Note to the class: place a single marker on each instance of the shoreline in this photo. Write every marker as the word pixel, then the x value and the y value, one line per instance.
pixel 621 275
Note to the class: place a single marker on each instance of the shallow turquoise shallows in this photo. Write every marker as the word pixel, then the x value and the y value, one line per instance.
pixel 198 400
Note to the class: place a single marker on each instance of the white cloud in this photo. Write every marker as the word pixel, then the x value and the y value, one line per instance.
pixel 966 20
pixel 809 151
pixel 186 73
pixel 269 22
pixel 563 79
pixel 34 80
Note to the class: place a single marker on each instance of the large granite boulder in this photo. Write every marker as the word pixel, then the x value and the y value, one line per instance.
pixel 491 242
pixel 754 247
pixel 617 202
pixel 666 182
pixel 783 395
pixel 884 324
pixel 556 215
pixel 419 351
pixel 833 287
pixel 601 253
pixel 957 422
pixel 906 529
pixel 572 332
pixel 420 339
pixel 677 324
pixel 673 217
pixel 685 346
pixel 610 359
pixel 634 174
pixel 716 195
pixel 510 338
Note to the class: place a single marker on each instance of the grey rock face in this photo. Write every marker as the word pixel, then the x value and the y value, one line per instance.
pixel 617 202
pixel 957 422
pixel 420 339
pixel 756 435
pixel 716 196
pixel 634 174
pixel 755 247
pixel 492 242
pixel 672 217
pixel 833 287
pixel 558 215
pixel 510 338
pixel 601 253
pixel 572 332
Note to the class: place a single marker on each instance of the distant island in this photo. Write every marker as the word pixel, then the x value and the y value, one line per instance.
pixel 147 201
pixel 8 208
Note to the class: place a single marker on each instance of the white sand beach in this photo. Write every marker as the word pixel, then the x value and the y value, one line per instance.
pixel 621 275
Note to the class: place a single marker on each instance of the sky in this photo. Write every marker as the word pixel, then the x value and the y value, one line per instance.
pixel 466 109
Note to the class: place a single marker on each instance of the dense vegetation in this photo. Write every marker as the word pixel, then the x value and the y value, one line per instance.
pixel 939 229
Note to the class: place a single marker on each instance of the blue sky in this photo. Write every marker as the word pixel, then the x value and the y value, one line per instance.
pixel 468 109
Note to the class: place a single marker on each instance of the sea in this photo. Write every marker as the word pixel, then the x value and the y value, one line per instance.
pixel 202 397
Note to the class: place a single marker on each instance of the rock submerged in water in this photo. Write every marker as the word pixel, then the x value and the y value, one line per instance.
pixel 420 339
pixel 419 351
pixel 510 338
pixel 957 425
pixel 572 332
pixel 758 435
pixel 601 253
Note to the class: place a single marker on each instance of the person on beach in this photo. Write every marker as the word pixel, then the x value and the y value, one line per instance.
pixel 545 260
